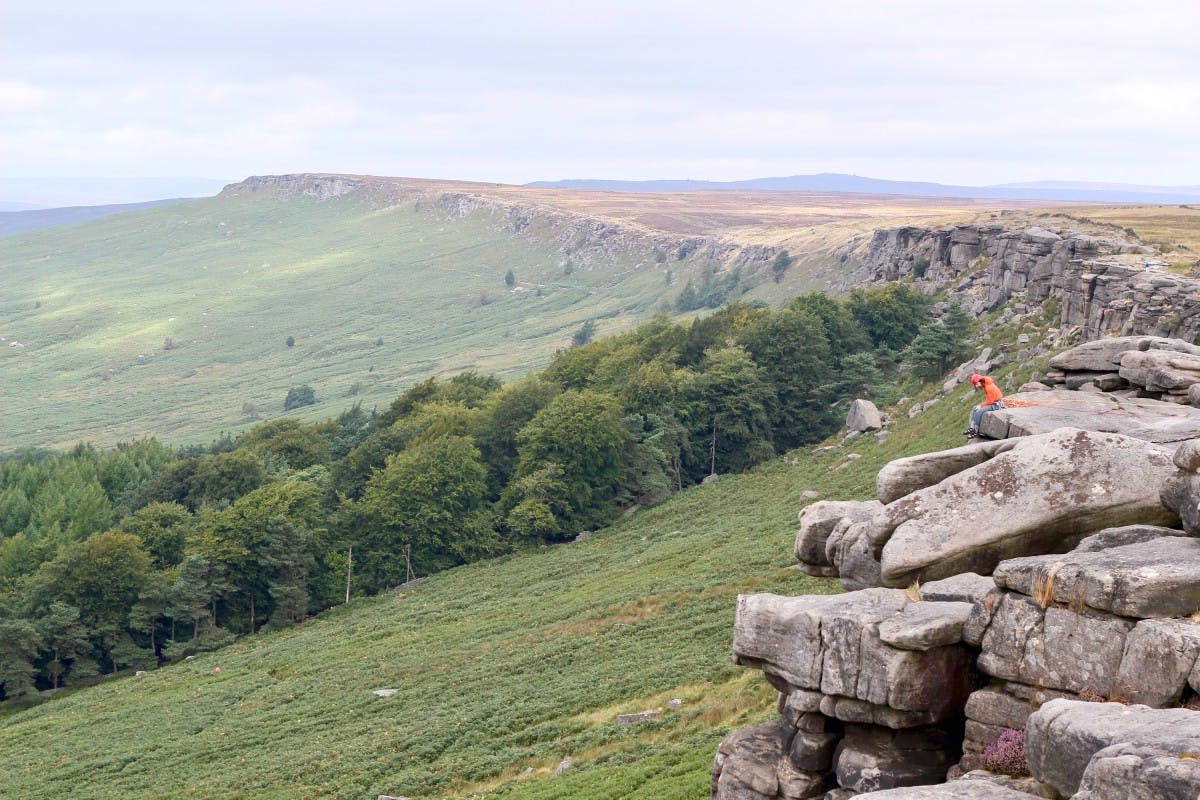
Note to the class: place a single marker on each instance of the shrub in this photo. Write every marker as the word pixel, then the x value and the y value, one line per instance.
pixel 1007 754
pixel 298 396
pixel 290 341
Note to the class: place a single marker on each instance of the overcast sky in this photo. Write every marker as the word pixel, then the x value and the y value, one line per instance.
pixel 957 92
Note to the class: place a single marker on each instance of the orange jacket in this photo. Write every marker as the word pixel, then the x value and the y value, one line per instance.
pixel 991 392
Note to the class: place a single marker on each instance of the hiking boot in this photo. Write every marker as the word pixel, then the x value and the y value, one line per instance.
pixel 971 433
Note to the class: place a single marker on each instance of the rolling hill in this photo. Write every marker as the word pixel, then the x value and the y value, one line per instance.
pixel 173 321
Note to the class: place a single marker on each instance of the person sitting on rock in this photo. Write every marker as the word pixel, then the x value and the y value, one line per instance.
pixel 993 399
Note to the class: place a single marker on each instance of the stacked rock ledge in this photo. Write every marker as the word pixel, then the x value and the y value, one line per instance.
pixel 1045 574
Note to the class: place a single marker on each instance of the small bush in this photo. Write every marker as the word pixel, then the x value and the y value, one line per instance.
pixel 1007 754
pixel 290 341
pixel 298 396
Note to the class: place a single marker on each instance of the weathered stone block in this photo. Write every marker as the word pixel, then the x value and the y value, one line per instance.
pixel 1065 738
pixel 1044 494
pixel 925 625
pixel 1158 578
pixel 1159 656
pixel 818 520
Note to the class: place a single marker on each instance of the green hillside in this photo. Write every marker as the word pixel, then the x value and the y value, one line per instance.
pixel 175 321
pixel 503 669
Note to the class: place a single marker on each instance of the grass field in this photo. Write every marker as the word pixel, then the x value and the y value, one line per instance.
pixel 375 299
pixel 503 669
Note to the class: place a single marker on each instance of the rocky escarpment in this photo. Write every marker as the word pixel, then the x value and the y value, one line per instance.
pixel 586 240
pixel 1106 284
pixel 1049 622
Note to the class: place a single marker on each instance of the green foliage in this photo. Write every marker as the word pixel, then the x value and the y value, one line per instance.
pixel 162 528
pixel 712 291
pixel 299 396
pixel 939 345
pixel 891 315
pixel 584 335
pixel 510 280
pixel 581 433
pixel 780 264
pixel 427 501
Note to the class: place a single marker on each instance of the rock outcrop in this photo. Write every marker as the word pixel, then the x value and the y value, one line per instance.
pixel 991 264
pixel 1065 581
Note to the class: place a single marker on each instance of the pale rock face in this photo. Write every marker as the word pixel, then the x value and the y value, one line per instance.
pixel 1044 494
pixel 1104 355
pixel 1160 370
pixel 905 475
pixel 954 790
pixel 1033 413
pixel 832 645
pixel 1157 578
pixel 1109 751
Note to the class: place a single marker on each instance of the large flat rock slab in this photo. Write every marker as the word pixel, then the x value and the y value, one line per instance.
pixel 1041 496
pixel 954 790
pixel 1111 751
pixel 906 475
pixel 1156 578
pixel 1104 355
pixel 1031 413
pixel 828 648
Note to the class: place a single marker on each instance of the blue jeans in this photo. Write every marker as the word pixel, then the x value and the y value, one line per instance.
pixel 978 412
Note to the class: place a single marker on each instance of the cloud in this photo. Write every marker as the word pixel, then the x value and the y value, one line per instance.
pixel 519 91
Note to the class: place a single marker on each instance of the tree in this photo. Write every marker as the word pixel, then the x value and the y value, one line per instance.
pixel 298 397
pixel 427 502
pixel 19 646
pixel 503 416
pixel 780 264
pixel 510 280
pixel 792 351
pixel 542 502
pixel 581 432
pixel 153 607
pixel 65 640
pixel 729 410
pixel 891 315
pixel 934 350
pixel 584 335
pixel 290 341
pixel 162 529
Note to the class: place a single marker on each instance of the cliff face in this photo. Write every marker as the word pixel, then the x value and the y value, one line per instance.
pixel 588 240
pixel 1107 284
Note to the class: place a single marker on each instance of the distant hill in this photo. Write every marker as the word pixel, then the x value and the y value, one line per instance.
pixel 13 222
pixel 1056 191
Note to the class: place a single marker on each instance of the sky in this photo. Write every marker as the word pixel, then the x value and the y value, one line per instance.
pixel 955 92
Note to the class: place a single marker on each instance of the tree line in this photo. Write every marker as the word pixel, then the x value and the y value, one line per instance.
pixel 130 557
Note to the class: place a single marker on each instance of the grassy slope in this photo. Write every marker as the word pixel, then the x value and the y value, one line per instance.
pixel 503 668
pixel 230 278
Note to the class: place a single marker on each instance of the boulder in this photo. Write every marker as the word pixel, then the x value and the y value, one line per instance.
pixel 852 551
pixel 831 645
pixel 1160 657
pixel 863 416
pixel 869 758
pixel 1034 413
pixel 1033 386
pixel 1126 534
pixel 1111 751
pixel 905 475
pixel 1187 456
pixel 954 790
pixel 923 626
pixel 1193 394
pixel 1043 495
pixel 1158 578
pixel 1160 370
pixel 963 588
pixel 1104 355
pixel 818 520
pixel 1181 494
